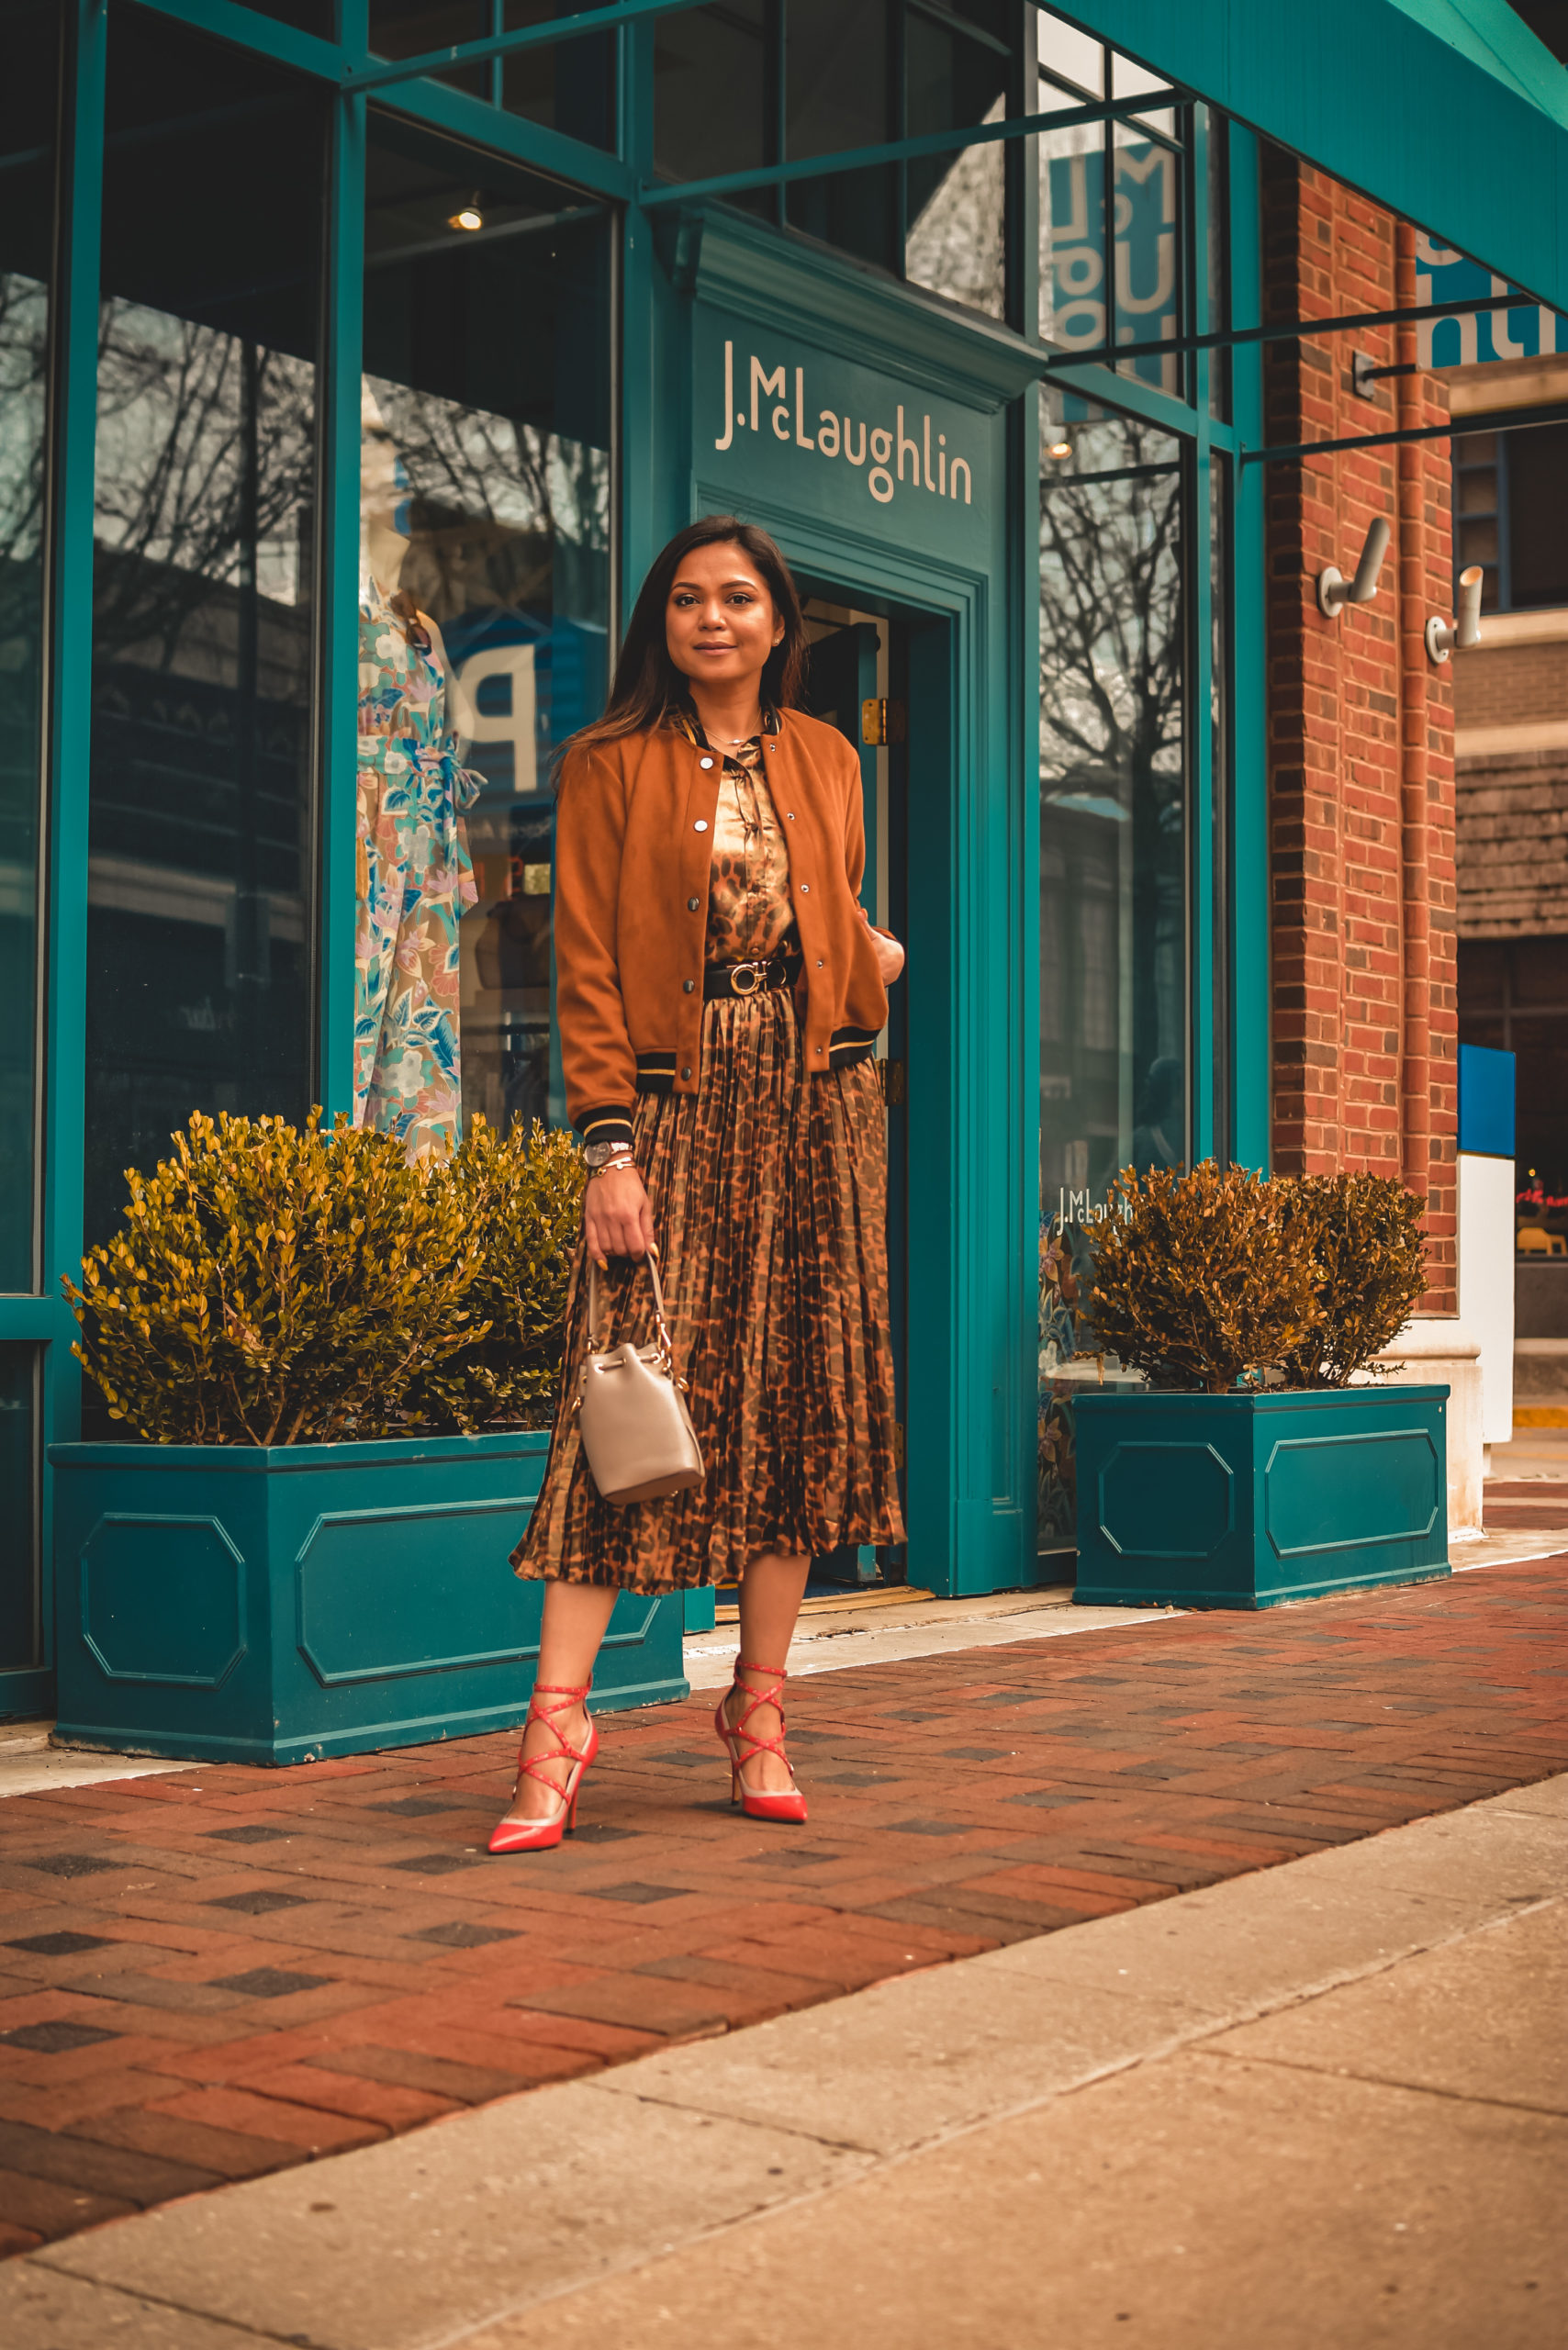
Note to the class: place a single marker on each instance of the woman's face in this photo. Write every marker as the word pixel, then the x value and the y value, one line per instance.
pixel 720 620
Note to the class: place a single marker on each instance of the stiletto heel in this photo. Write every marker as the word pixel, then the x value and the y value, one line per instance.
pixel 784 1803
pixel 543 1835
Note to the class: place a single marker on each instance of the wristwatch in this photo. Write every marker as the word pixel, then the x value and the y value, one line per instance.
pixel 599 1155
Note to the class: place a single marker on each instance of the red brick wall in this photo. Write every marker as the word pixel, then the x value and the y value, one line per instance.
pixel 1361 727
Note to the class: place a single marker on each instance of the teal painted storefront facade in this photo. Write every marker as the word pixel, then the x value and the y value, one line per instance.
pixel 716 345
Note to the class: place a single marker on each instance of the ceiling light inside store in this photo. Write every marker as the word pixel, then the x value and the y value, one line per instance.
pixel 1060 449
pixel 468 216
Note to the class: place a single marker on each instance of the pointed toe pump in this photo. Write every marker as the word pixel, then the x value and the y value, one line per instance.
pixel 542 1834
pixel 783 1803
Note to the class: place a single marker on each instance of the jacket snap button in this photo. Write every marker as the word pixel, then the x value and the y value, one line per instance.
pixel 805 889
pixel 819 1052
pixel 692 904
pixel 819 962
pixel 685 1072
pixel 704 763
pixel 690 986
pixel 790 816
pixel 700 825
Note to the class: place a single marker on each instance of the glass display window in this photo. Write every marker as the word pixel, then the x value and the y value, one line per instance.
pixel 485 501
pixel 1114 864
pixel 27 101
pixel 1113 805
pixel 200 903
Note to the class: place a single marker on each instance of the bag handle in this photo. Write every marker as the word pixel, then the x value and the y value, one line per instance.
pixel 597 1344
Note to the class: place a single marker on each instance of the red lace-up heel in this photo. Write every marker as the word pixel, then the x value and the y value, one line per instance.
pixel 542 1835
pixel 785 1803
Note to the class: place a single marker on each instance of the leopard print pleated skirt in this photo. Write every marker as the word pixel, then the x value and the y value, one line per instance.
pixel 768 1192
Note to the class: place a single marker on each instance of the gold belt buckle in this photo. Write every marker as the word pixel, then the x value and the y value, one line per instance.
pixel 754 974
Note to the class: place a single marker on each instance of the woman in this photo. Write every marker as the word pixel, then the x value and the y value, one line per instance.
pixel 720 992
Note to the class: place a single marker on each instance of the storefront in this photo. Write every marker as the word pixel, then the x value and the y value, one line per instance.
pixel 290 324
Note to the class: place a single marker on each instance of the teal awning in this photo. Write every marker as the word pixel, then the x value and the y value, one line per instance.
pixel 1448 111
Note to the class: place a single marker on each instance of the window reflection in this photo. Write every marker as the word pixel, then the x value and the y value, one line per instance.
pixel 200 906
pixel 413 27
pixel 568 85
pixel 27 100
pixel 1112 866
pixel 1113 805
pixel 713 75
pixel 955 234
pixel 1145 188
pixel 838 94
pixel 483 612
pixel 1084 304
pixel 746 82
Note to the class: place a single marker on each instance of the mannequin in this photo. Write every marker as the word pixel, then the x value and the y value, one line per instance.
pixel 414 878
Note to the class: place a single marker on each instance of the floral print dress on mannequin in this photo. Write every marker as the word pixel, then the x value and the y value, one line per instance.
pixel 414 882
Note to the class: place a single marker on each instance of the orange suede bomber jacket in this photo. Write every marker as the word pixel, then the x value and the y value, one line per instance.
pixel 633 836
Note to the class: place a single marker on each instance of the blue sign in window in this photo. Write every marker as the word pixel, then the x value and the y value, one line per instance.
pixel 1485 1101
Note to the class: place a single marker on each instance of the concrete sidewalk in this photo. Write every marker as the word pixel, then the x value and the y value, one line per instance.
pixel 1323 2103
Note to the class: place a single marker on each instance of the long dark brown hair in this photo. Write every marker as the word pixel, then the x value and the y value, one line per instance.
pixel 647 685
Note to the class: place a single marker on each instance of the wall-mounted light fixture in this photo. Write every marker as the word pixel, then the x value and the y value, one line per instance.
pixel 1465 632
pixel 468 216
pixel 1335 591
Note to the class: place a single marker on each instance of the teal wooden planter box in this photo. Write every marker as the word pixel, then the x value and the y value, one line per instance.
pixel 1244 1501
pixel 240 1603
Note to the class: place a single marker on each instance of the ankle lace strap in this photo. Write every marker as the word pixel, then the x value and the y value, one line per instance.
pixel 532 1768
pixel 755 1699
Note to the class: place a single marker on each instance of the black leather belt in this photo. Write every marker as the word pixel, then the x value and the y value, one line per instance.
pixel 749 978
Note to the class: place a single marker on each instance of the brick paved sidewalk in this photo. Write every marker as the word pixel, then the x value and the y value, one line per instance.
pixel 224 1971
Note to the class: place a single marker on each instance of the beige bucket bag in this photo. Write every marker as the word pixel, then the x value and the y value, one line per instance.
pixel 636 1430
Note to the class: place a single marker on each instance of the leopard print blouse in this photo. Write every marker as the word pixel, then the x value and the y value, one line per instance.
pixel 749 910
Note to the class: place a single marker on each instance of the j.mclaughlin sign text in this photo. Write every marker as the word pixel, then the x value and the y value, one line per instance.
pixel 897 450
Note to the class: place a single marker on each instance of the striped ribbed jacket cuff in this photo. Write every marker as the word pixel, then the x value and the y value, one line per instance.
pixel 609 1125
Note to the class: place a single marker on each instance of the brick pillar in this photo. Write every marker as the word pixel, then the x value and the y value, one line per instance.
pixel 1361 726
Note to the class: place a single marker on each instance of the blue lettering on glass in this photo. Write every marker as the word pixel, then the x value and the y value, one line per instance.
pixel 1144 258
pixel 898 451
pixel 1444 275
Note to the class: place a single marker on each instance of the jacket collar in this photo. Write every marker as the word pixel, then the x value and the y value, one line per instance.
pixel 685 722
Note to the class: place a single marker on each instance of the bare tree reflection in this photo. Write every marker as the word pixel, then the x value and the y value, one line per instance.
pixel 500 513
pixel 204 466
pixel 24 389
pixel 1111 673
pixel 1112 715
